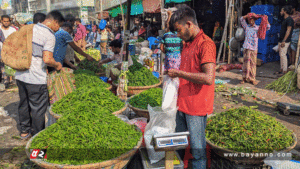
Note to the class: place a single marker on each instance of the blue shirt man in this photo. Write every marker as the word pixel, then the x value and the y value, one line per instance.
pixel 62 39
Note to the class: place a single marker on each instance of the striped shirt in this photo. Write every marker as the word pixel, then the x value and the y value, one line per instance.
pixel 43 40
pixel 173 46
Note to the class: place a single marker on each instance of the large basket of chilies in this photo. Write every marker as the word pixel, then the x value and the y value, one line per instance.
pixel 74 141
pixel 84 95
pixel 244 131
pixel 139 103
pixel 140 79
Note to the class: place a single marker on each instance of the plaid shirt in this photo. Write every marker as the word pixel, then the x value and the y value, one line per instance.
pixel 296 19
pixel 251 38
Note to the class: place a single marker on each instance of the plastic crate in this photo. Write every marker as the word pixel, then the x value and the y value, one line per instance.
pixel 262 57
pixel 270 18
pixel 263 9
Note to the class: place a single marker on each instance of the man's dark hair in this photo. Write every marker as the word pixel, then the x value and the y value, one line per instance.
pixel 116 43
pixel 38 18
pixel 56 15
pixel 67 25
pixel 288 9
pixel 183 14
pixel 5 16
pixel 109 27
pixel 78 19
pixel 70 18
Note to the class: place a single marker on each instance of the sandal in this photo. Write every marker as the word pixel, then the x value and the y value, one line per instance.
pixel 277 73
pixel 25 137
pixel 254 82
pixel 242 82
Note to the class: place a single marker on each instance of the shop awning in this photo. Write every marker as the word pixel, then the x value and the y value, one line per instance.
pixel 151 6
pixel 176 1
pixel 136 9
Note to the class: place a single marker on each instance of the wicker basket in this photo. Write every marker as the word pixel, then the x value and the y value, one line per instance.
pixel 255 160
pixel 116 163
pixel 57 116
pixel 140 112
pixel 134 90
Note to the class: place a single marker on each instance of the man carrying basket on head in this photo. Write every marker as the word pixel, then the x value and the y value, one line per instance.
pixel 252 33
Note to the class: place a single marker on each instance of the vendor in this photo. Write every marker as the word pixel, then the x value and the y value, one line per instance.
pixel 114 72
pixel 217 34
pixel 142 31
pixel 251 44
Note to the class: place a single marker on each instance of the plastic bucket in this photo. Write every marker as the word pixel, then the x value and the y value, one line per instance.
pixel 105 79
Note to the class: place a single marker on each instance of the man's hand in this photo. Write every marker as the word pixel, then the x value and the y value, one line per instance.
pixel 89 58
pixel 173 73
pixel 99 64
pixel 282 44
pixel 58 66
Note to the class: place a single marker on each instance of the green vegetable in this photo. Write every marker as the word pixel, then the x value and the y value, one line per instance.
pixel 138 75
pixel 249 131
pixel 87 77
pixel 281 85
pixel 89 93
pixel 91 134
pixel 92 66
pixel 92 52
pixel 151 96
pixel 140 39
pixel 9 71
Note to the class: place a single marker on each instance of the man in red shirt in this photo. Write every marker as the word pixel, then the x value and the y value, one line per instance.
pixel 197 79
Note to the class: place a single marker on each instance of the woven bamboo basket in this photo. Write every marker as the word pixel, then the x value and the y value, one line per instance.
pixel 255 160
pixel 116 163
pixel 140 112
pixel 134 90
pixel 57 116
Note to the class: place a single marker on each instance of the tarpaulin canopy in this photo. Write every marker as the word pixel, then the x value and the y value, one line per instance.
pixel 151 6
pixel 176 1
pixel 136 9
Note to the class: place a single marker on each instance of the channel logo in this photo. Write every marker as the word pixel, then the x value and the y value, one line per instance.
pixel 38 154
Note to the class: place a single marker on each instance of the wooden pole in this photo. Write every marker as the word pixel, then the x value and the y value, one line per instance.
pixel 224 52
pixel 230 32
pixel 101 9
pixel 225 29
pixel 163 28
pixel 297 53
pixel 122 13
pixel 128 25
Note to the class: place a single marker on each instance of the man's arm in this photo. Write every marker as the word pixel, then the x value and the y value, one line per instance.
pixel 288 31
pixel 49 60
pixel 206 77
pixel 70 64
pixel 101 62
pixel 77 60
pixel 79 50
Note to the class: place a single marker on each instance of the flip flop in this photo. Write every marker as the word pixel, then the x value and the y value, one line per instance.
pixel 26 137
pixel 277 73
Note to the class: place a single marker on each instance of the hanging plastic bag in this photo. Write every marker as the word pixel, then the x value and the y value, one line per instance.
pixel 170 91
pixel 276 49
pixel 161 122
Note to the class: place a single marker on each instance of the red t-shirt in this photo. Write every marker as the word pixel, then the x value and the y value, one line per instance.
pixel 196 99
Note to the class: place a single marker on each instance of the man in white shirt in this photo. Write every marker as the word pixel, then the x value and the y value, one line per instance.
pixel 32 83
pixel 7 30
pixel 6 27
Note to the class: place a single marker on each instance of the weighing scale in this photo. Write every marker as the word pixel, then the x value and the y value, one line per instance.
pixel 169 143
pixel 288 108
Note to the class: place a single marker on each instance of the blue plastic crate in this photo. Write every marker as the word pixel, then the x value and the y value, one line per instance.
pixel 272 57
pixel 262 57
pixel 263 9
pixel 270 19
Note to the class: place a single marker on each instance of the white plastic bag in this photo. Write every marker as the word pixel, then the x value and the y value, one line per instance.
pixel 276 49
pixel 161 122
pixel 170 91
